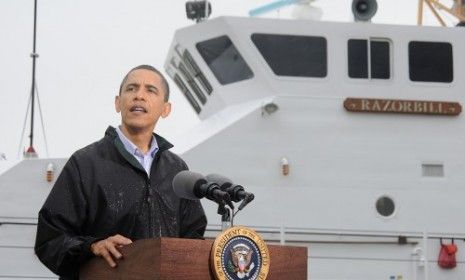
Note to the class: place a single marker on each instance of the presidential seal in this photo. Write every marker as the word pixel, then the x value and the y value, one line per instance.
pixel 239 253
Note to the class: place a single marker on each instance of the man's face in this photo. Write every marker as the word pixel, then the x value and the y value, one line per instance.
pixel 142 101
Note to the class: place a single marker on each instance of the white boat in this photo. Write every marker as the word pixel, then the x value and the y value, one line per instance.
pixel 370 193
pixel 370 187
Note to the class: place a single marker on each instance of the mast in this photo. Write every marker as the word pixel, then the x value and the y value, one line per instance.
pixel 30 151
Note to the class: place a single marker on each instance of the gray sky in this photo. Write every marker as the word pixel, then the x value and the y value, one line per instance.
pixel 87 46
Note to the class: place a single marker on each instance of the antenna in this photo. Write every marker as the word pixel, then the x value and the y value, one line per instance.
pixel 275 5
pixel 34 56
pixel 30 152
pixel 303 9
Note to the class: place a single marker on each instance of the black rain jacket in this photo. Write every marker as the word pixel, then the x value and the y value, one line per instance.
pixel 102 191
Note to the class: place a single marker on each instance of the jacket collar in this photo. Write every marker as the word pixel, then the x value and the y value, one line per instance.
pixel 163 144
pixel 111 133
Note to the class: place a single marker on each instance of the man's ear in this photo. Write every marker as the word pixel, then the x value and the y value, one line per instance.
pixel 117 104
pixel 166 110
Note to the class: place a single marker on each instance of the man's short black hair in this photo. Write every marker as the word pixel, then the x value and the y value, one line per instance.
pixel 153 69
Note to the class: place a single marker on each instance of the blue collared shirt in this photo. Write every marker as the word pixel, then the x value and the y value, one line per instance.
pixel 144 159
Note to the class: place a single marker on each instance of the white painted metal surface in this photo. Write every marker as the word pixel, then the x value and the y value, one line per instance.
pixel 23 189
pixel 340 162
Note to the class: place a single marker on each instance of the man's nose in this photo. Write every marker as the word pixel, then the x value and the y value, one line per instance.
pixel 140 94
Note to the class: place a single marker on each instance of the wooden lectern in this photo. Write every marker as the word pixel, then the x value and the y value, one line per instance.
pixel 186 259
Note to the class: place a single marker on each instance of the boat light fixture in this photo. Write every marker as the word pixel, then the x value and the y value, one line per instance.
pixel 270 108
pixel 50 172
pixel 198 10
pixel 285 166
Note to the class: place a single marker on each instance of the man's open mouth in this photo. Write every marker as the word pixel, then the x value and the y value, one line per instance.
pixel 138 108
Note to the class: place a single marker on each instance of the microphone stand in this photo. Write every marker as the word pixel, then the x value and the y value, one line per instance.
pixel 227 217
pixel 228 214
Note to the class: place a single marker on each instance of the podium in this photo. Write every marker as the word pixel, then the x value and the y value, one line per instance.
pixel 186 259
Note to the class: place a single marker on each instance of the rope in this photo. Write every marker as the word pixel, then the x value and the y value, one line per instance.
pixel 41 120
pixel 24 126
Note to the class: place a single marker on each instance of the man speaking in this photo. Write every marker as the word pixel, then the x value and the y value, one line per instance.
pixel 118 189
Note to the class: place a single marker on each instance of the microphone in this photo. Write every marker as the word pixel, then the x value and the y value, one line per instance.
pixel 192 185
pixel 236 192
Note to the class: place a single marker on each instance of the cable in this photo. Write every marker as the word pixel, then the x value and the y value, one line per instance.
pixel 42 120
pixel 24 126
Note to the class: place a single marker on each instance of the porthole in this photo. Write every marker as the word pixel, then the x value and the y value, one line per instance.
pixel 385 206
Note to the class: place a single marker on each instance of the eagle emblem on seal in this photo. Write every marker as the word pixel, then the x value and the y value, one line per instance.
pixel 241 256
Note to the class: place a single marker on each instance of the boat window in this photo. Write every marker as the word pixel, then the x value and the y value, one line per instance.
pixel 369 63
pixel 183 88
pixel 290 55
pixel 385 206
pixel 358 58
pixel 195 70
pixel 379 54
pixel 430 62
pixel 190 80
pixel 224 60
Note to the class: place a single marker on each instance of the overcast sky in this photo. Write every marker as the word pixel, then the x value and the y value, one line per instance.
pixel 87 46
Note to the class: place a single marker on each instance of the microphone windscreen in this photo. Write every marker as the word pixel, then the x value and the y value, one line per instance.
pixel 184 183
pixel 222 181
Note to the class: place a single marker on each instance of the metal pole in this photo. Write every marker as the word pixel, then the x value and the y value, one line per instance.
pixel 435 13
pixel 425 252
pixel 455 13
pixel 34 57
pixel 226 219
pixel 420 12
pixel 206 9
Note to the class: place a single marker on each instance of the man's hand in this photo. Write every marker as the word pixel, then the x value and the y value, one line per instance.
pixel 107 248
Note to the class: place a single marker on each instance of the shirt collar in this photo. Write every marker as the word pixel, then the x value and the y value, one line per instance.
pixel 133 149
